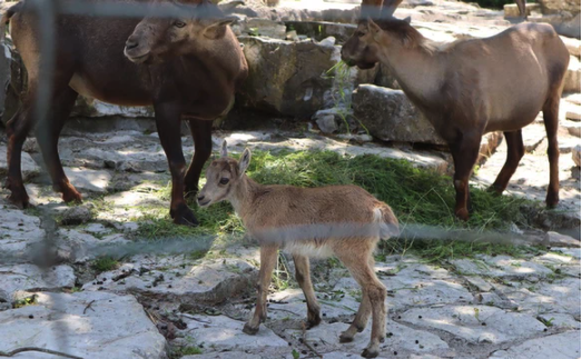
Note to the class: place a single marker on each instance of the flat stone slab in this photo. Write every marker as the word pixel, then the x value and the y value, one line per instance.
pixel 29 277
pixel 467 322
pixel 78 247
pixel 18 231
pixel 208 281
pixel 28 165
pixel 558 296
pixel 87 179
pixel 221 333
pixel 400 337
pixel 501 267
pixel 560 346
pixel 113 327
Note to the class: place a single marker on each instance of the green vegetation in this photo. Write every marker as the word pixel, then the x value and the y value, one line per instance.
pixel 104 264
pixel 182 351
pixel 417 197
pixel 23 302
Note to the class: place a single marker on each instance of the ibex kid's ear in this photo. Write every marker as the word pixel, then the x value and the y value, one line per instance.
pixel 407 19
pixel 243 163
pixel 223 151
pixel 217 29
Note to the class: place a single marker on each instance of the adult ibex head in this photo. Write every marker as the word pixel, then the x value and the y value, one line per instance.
pixel 156 38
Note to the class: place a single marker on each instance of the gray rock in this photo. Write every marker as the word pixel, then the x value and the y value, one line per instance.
pixel 29 168
pixel 211 281
pixel 29 277
pixel 555 239
pixel 114 327
pixel 76 215
pixel 286 77
pixel 559 6
pixel 572 79
pixel 18 232
pixel 560 346
pixel 560 321
pixel 77 247
pixel 221 333
pixel 501 266
pixel 559 296
pixel 576 155
pixel 390 116
pixel 326 123
pixel 403 338
pixel 264 27
pixel 573 45
pixel 512 11
pixel 467 322
pixel 91 180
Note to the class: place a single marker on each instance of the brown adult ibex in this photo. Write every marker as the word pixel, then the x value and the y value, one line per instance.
pixel 471 87
pixel 345 221
pixel 187 68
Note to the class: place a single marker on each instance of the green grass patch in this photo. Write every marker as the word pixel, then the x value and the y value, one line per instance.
pixel 104 264
pixel 417 197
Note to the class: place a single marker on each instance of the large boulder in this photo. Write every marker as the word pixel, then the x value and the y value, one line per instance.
pixel 572 80
pixel 390 116
pixel 286 77
pixel 559 6
pixel 297 78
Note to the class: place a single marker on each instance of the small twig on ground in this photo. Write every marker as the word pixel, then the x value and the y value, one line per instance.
pixel 194 318
pixel 306 343
pixel 34 349
pixel 282 310
pixel 89 307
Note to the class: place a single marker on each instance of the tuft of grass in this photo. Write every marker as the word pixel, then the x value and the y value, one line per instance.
pixel 104 264
pixel 182 351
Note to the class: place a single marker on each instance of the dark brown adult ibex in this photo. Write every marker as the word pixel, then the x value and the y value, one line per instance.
pixel 345 221
pixel 471 87
pixel 187 68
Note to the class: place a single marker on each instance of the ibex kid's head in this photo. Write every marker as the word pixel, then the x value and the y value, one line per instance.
pixel 222 176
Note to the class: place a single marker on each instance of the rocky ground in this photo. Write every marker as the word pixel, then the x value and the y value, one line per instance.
pixel 105 290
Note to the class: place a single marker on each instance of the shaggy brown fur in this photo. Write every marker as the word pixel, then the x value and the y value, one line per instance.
pixel 186 68
pixel 345 221
pixel 471 87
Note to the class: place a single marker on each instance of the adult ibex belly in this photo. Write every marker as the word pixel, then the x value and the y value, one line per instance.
pixel 110 91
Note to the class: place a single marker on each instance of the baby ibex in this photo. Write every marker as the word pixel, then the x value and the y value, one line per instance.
pixel 345 221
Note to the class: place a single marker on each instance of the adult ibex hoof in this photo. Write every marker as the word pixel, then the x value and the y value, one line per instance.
pixel 462 214
pixel 72 196
pixel 183 215
pixel 552 200
pixel 21 202
pixel 248 329
pixel 346 338
pixel 368 353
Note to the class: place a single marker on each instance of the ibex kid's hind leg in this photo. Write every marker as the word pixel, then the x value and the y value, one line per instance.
pixel 356 259
pixel 361 319
pixel 304 279
pixel 268 262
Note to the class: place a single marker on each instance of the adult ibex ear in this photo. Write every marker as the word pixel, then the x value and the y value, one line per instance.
pixel 223 151
pixel 373 28
pixel 217 29
pixel 244 162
